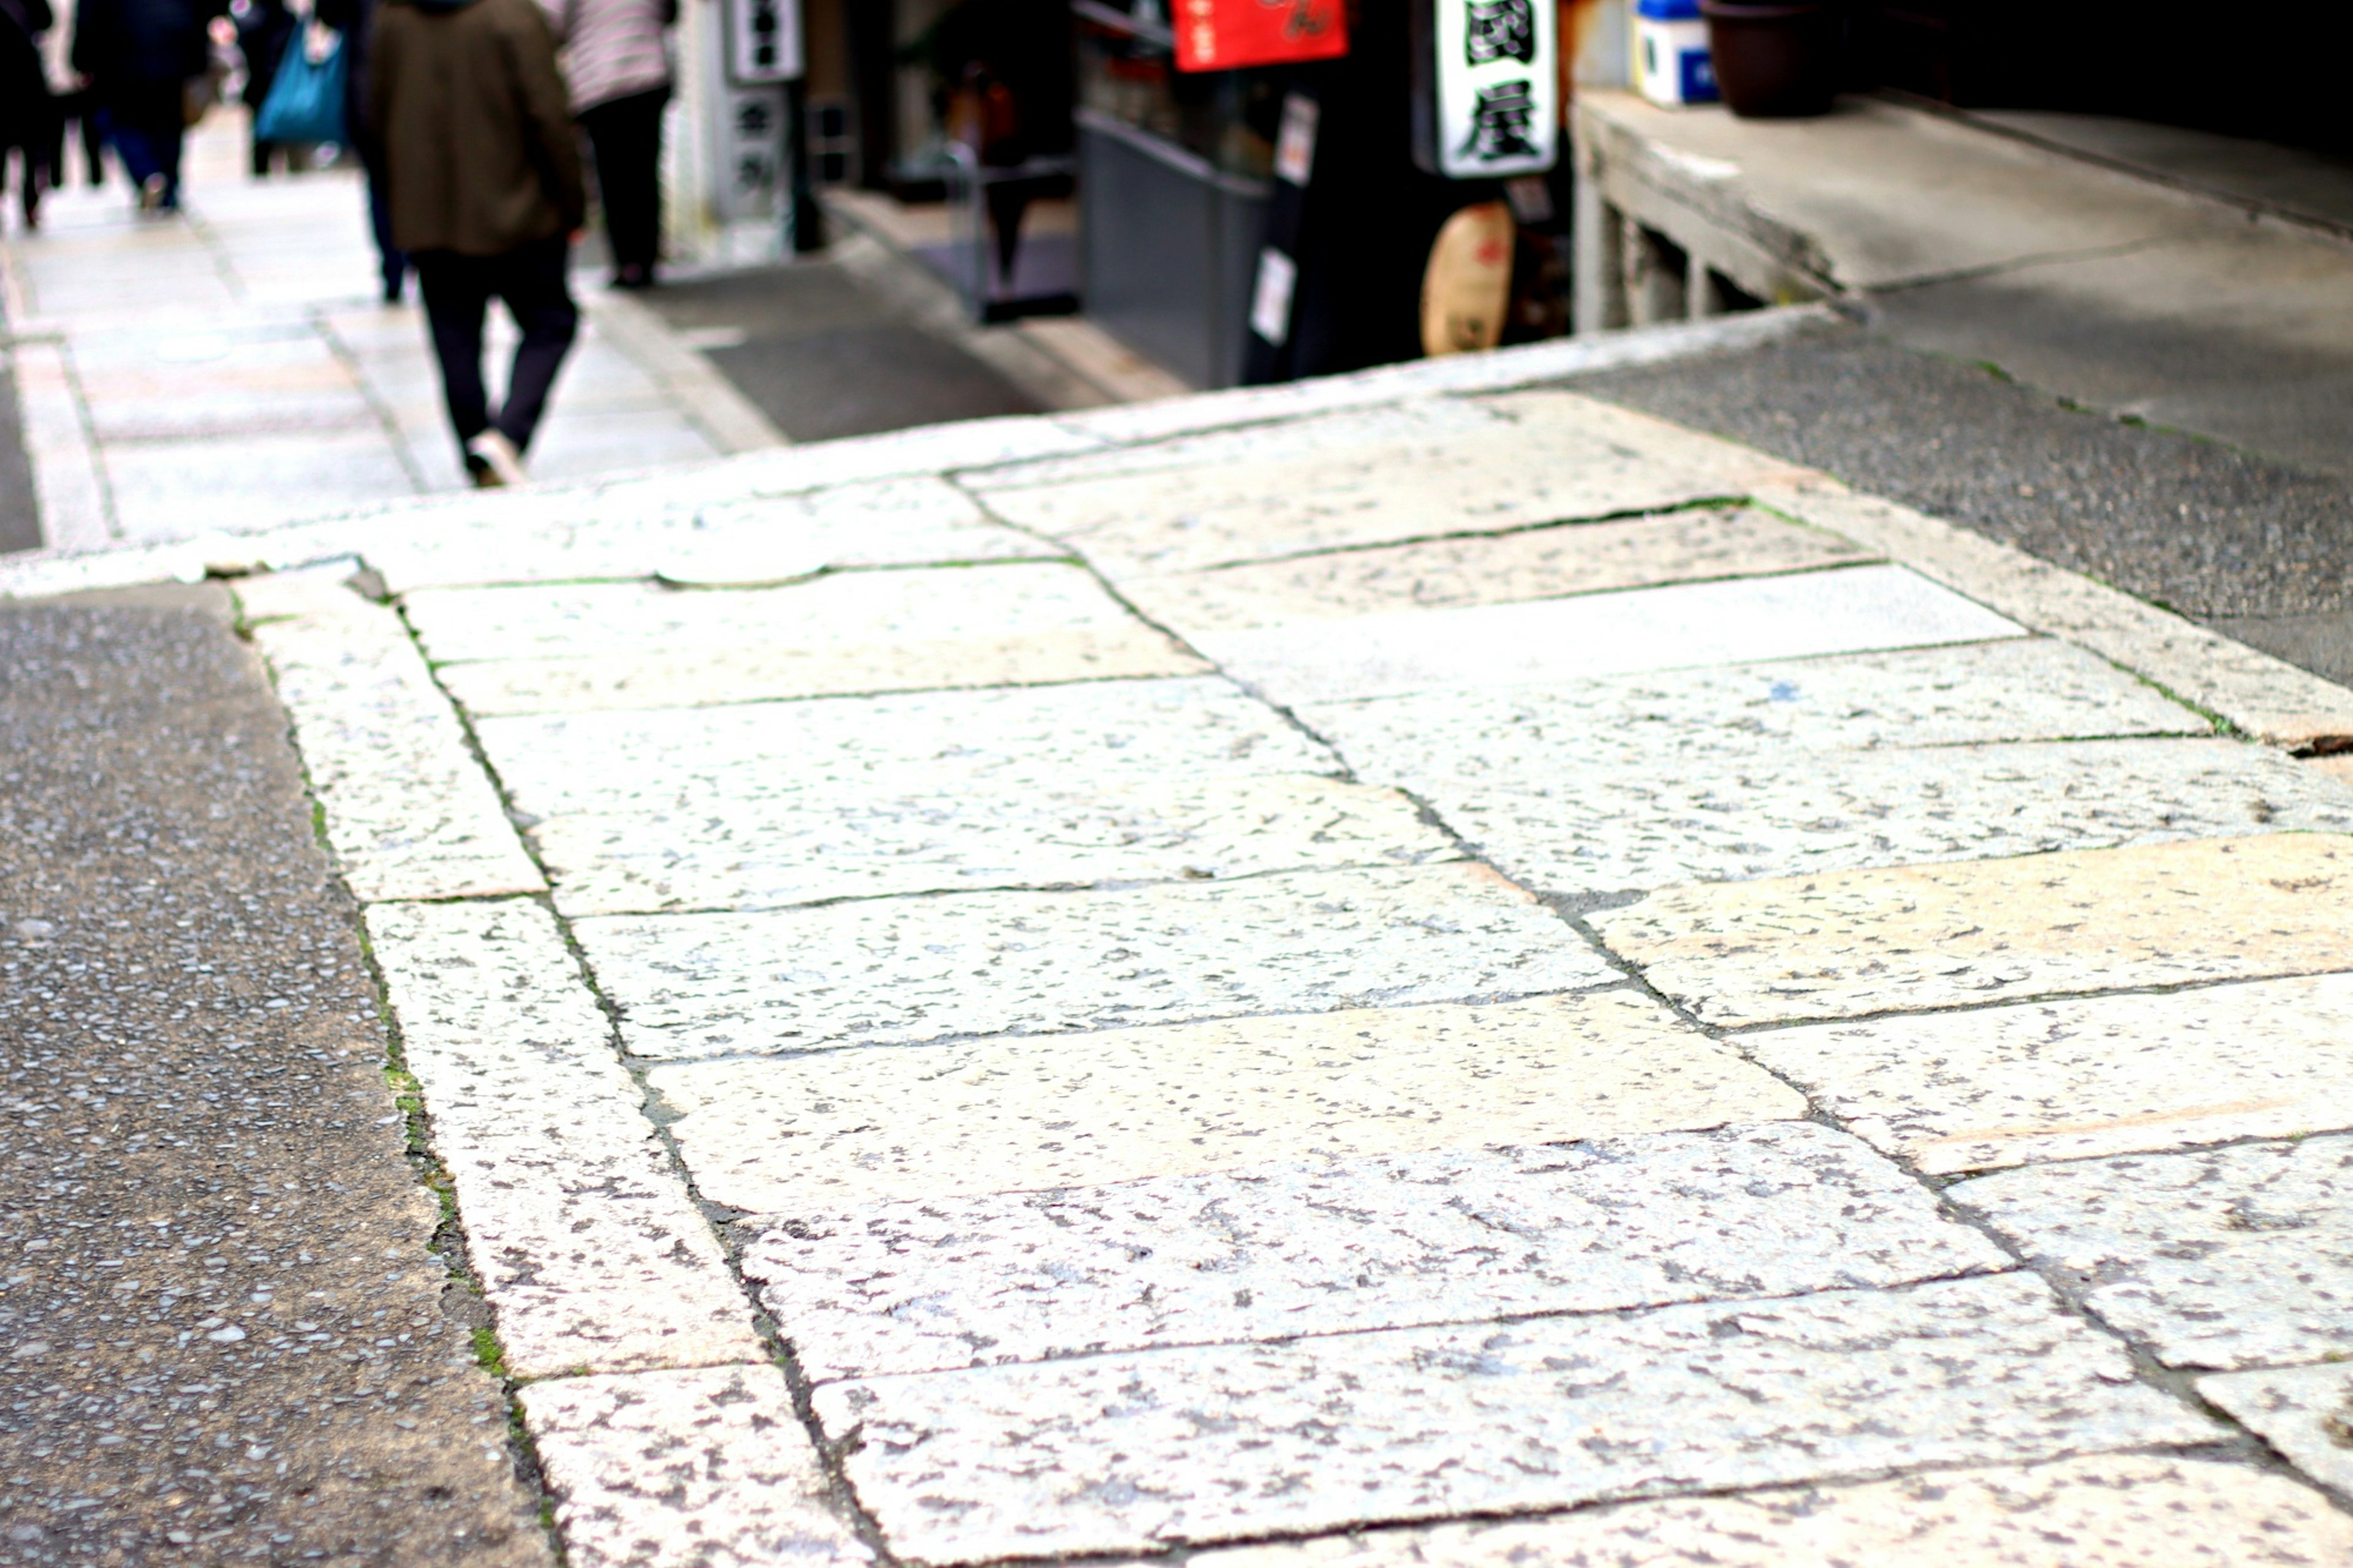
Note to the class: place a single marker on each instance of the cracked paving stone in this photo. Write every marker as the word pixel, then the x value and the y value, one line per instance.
pixel 793 1135
pixel 1535 564
pixel 1110 732
pixel 1134 1451
pixel 2064 1080
pixel 949 838
pixel 702 1468
pixel 1845 944
pixel 1361 477
pixel 590 1248
pixel 1853 609
pixel 2303 1412
pixel 690 539
pixel 1607 828
pixel 231 1331
pixel 2108 1512
pixel 573 647
pixel 2227 1258
pixel 905 522
pixel 1279 1252
pixel 902 971
pixel 408 810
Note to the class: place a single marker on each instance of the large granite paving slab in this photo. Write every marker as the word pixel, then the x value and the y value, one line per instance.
pixel 901 971
pixel 1110 731
pixel 898 836
pixel 1742 621
pixel 1603 825
pixel 569 647
pixel 589 1246
pixel 1418 470
pixel 1132 1451
pixel 1522 737
pixel 2105 1075
pixel 1282 1251
pixel 706 1468
pixel 2107 1511
pixel 2236 1257
pixel 1491 569
pixel 406 809
pixel 1846 943
pixel 805 1134
pixel 2303 1412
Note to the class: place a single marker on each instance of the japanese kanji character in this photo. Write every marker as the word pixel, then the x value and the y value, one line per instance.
pixel 1499 30
pixel 1499 122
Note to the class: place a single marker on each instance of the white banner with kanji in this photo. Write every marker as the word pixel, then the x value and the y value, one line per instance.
pixel 1498 88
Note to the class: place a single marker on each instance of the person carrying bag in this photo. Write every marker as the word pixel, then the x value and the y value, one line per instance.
pixel 305 106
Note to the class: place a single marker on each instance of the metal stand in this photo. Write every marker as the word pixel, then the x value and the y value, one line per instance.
pixel 805 219
pixel 984 255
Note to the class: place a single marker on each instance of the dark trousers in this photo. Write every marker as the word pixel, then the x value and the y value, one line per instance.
pixel 392 262
pixel 79 108
pixel 625 135
pixel 145 122
pixel 457 291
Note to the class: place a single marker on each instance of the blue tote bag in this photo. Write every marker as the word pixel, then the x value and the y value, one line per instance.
pixel 306 102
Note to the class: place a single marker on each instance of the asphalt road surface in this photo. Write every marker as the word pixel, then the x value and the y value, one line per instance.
pixel 235 1327
pixel 2257 549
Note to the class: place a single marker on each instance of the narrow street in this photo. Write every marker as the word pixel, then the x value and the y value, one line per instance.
pixel 1415 968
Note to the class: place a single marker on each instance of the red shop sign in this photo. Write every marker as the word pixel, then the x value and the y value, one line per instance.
pixel 1226 35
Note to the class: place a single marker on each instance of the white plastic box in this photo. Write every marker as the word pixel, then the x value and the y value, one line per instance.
pixel 1672 63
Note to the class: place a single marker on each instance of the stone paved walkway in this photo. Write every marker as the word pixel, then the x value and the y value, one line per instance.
pixel 233 368
pixel 1405 970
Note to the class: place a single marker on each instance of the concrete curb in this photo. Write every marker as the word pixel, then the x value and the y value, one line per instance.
pixel 729 419
pixel 1500 370
pixel 2266 698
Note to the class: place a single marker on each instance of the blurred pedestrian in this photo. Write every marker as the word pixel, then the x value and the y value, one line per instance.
pixel 140 57
pixel 482 173
pixel 74 106
pixel 26 112
pixel 617 60
pixel 264 27
pixel 356 19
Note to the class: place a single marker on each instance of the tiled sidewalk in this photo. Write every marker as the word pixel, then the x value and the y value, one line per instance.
pixel 232 369
pixel 1389 972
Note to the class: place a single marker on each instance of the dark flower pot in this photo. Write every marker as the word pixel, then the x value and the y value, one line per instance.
pixel 1774 62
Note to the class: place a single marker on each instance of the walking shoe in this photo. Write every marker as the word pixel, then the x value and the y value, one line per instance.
pixel 501 463
pixel 151 192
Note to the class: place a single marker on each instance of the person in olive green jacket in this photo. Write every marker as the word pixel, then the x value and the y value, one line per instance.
pixel 482 167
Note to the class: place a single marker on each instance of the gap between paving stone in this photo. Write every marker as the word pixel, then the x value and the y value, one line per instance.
pixel 1265 1252
pixel 2040 1082
pixel 2230 1258
pixel 2147 1367
pixel 519 1338
pixel 1139 1450
pixel 1891 940
pixel 783 1135
pixel 599 1500
pixel 2110 1511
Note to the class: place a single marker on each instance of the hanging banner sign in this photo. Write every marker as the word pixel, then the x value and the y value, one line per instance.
pixel 1226 35
pixel 764 41
pixel 1495 73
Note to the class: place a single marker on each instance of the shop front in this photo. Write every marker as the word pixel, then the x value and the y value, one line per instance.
pixel 1257 186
